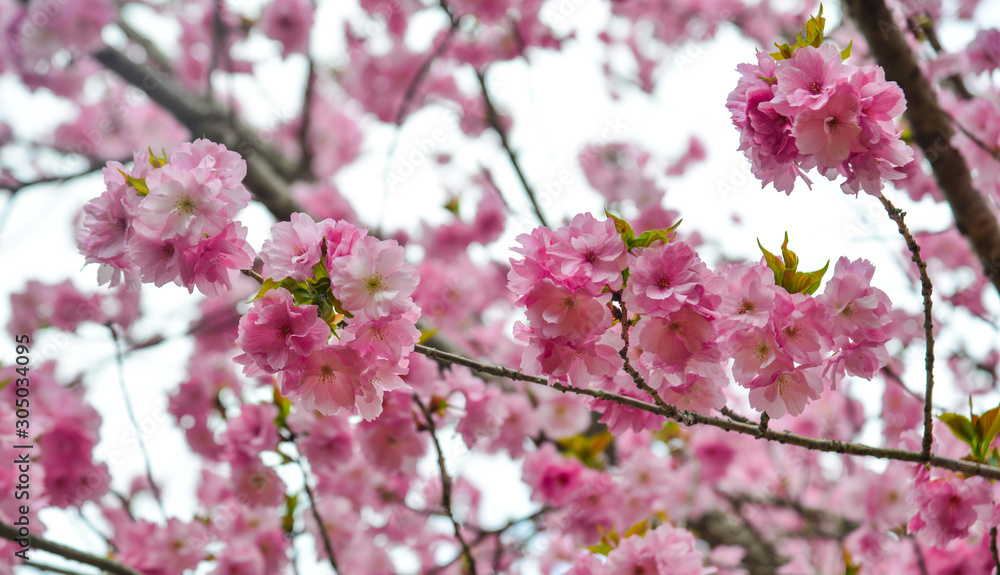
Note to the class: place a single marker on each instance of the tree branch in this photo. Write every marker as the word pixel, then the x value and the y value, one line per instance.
pixel 268 173
pixel 993 548
pixel 425 67
pixel 493 119
pixel 324 534
pixel 690 418
pixel 932 131
pixel 10 533
pixel 925 290
pixel 470 566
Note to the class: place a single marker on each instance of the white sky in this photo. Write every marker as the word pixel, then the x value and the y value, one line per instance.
pixel 560 105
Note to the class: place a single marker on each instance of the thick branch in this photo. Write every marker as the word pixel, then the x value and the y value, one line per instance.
pixel 9 532
pixel 718 528
pixel 932 131
pixel 694 418
pixel 268 173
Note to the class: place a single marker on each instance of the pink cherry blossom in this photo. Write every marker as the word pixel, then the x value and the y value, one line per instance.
pixel 946 506
pixel 276 335
pixel 293 250
pixel 181 205
pixel 288 22
pixel 782 389
pixel 808 79
pixel 374 279
pixel 830 133
pixel 984 51
pixel 665 277
pixel 749 295
pixel 215 263
pixel 590 249
pixel 666 550
pixel 554 311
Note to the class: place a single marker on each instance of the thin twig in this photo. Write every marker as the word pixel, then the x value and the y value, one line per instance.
pixel 324 534
pixel 690 418
pixel 921 562
pixel 640 381
pixel 425 67
pixel 993 548
pixel 470 566
pixel 254 275
pixel 925 290
pixel 486 534
pixel 135 423
pixel 493 119
pixel 10 533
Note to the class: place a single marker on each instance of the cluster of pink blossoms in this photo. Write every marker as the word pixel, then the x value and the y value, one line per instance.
pixel 814 111
pixel 170 220
pixel 332 278
pixel 685 319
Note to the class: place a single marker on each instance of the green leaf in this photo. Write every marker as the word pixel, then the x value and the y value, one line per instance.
pixel 994 458
pixel 587 448
pixel 4 382
pixel 637 529
pixel 961 427
pixel 846 52
pixel 808 282
pixel 647 237
pixel 268 285
pixel 608 542
pixel 426 334
pixel 814 35
pixel 288 519
pixel 776 265
pixel 157 161
pixel 284 408
pixel 625 230
pixel 138 184
pixel 988 426
pixel 786 272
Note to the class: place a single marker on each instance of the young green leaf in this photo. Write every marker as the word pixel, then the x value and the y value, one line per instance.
pixel 961 427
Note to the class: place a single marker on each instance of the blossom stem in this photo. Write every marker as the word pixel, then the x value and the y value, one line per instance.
pixel 10 533
pixel 925 290
pixel 694 418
